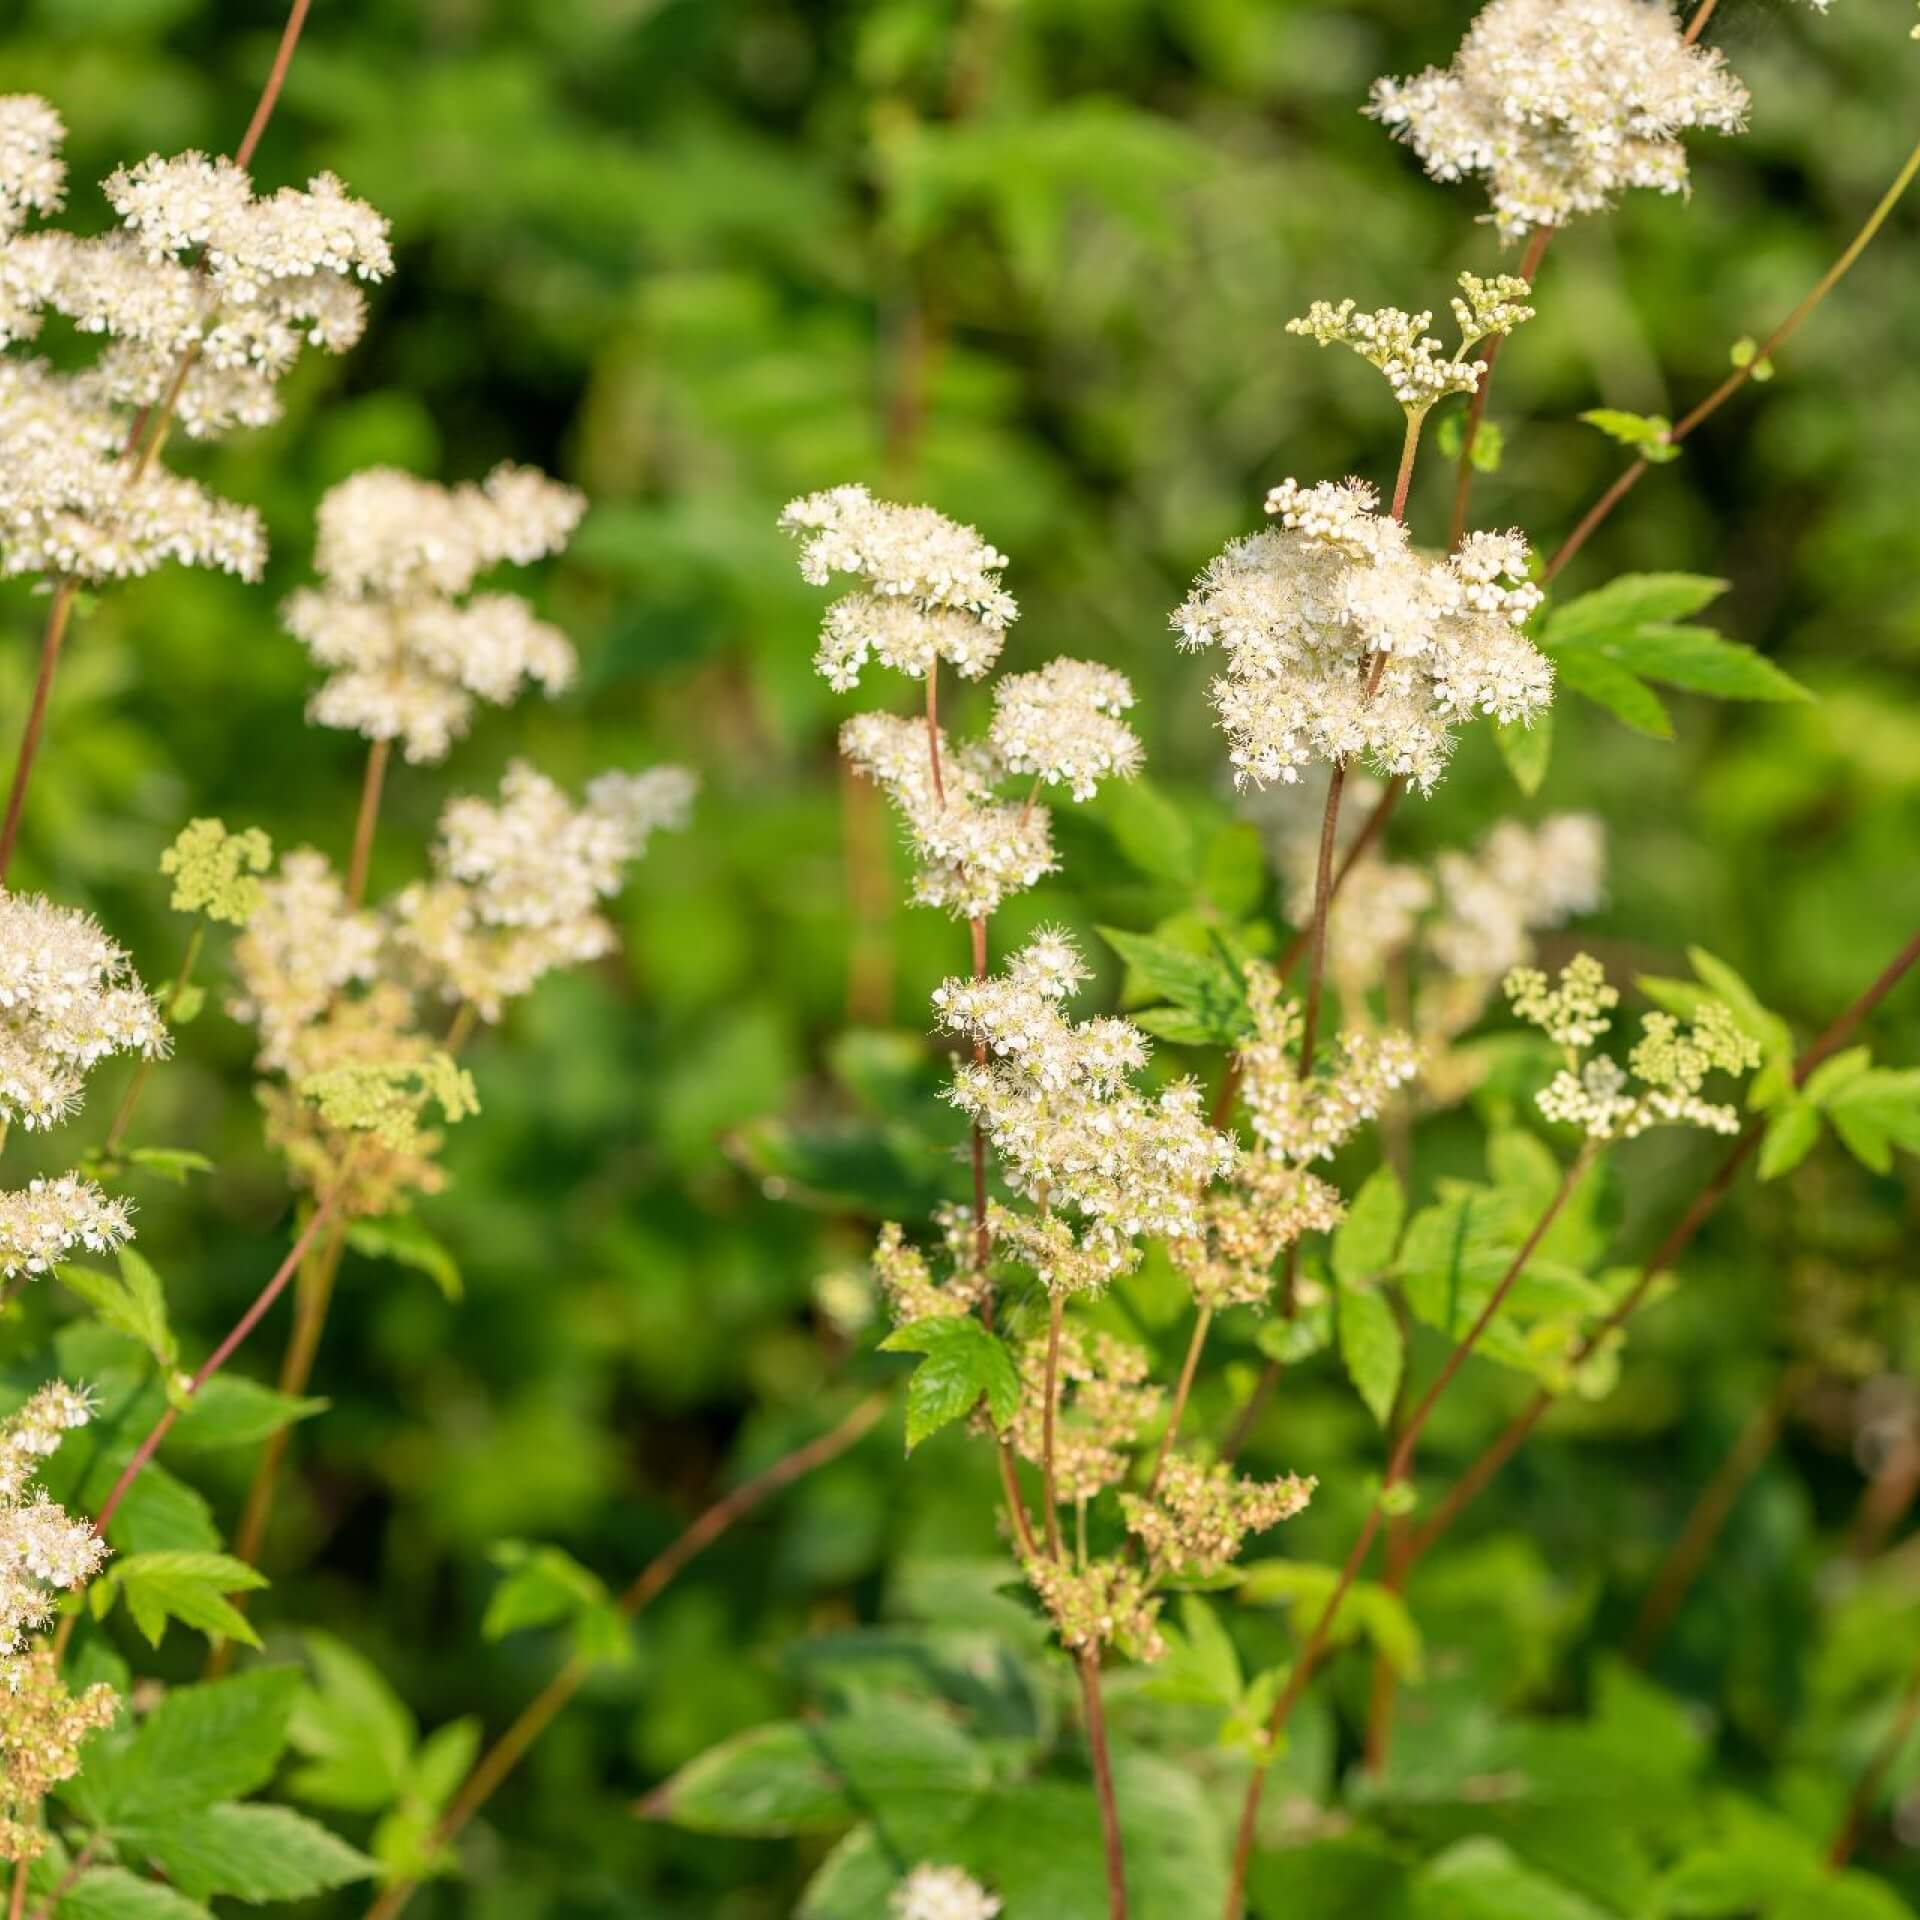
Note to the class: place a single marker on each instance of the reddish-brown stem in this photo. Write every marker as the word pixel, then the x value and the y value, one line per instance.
pixel 372 784
pixel 215 1361
pixel 52 637
pixel 1866 1791
pixel 1096 1718
pixel 933 732
pixel 1202 1321
pixel 1241 1431
pixel 1398 1465
pixel 17 1904
pixel 500 1760
pixel 1738 378
pixel 1699 1210
pixel 1409 451
pixel 1016 1501
pixel 1698 24
pixel 1690 1552
pixel 76 1867
pixel 1537 243
pixel 276 79
pixel 1889 1496
pixel 1049 1413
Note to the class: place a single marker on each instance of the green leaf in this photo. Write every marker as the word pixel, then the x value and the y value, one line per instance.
pixel 401 1238
pixel 111 1893
pixel 1367 1608
pixel 186 1005
pixel 1629 602
pixel 132 1303
pixel 233 1411
pixel 1371 1348
pixel 353 1731
pixel 1792 1134
pixel 963 1361
pixel 1698 660
pixel 1480 1879
pixel 904 1763
pixel 253 1853
pixel 545 1587
pixel 1646 433
pixel 1608 684
pixel 188 1587
pixel 1201 984
pixel 1351 1878
pixel 1364 1242
pixel 1526 750
pixel 170 1163
pixel 202 1744
pixel 1150 829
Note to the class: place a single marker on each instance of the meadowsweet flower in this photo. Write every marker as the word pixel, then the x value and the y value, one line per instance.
pixel 1344 643
pixel 386 1099
pixel 1665 1071
pixel 1517 882
pixel 302 948
pixel 1105 1603
pixel 972 850
pixel 47 1219
pixel 32 180
pixel 941 1893
pixel 1108 1162
pixel 71 505
pixel 905 1278
pixel 1107 1403
pixel 408 655
pixel 215 872
pixel 520 882
pixel 1563 105
pixel 68 999
pixel 932 587
pixel 1062 726
pixel 42 1729
pixel 42 1550
pixel 1200 1516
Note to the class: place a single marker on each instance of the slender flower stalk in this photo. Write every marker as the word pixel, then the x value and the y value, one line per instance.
pixel 1307 1661
pixel 221 1354
pixel 52 638
pixel 1537 244
pixel 1111 1843
pixel 366 821
pixel 1631 476
pixel 1860 1803
pixel 1698 24
pixel 1050 1499
pixel 497 1765
pixel 1202 1323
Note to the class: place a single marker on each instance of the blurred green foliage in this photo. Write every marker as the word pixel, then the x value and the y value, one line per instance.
pixel 1030 260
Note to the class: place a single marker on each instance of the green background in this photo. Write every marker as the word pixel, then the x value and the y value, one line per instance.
pixel 1030 261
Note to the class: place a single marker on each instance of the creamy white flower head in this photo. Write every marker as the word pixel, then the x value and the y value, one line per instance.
pixel 1062 726
pixel 1343 642
pixel 1564 104
pixel 972 850
pixel 48 1219
pixel 301 949
pixel 942 1893
pixel 69 504
pixel 42 1550
pixel 1109 1163
pixel 408 657
pixel 33 177
pixel 932 587
pixel 519 883
pixel 68 999
pixel 1517 882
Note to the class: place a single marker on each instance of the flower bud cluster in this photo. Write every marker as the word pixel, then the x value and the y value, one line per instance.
pixel 1107 1403
pixel 1198 1516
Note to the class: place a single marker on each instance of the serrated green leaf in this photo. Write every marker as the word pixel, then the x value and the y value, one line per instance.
pixel 188 1587
pixel 1630 601
pixel 1646 433
pixel 1607 683
pixel 1825 1082
pixel 962 1363
pixel 402 1239
pixel 543 1586
pixel 1698 660
pixel 1371 1349
pixel 354 1733
pixel 129 1305
pixel 255 1853
pixel 1792 1133
pixel 1202 984
pixel 1526 750
pixel 443 1762
pixel 232 1411
pixel 1365 1241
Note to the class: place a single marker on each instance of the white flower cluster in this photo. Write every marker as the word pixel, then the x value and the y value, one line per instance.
pixel 408 653
pixel 1106 1163
pixel 1660 1084
pixel 932 587
pixel 941 1893
pixel 519 884
pixel 42 1549
pixel 1344 642
pixel 932 592
pixel 1301 1121
pixel 1418 367
pixel 45 1221
pixel 1564 104
pixel 68 999
pixel 207 336
pixel 1062 726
